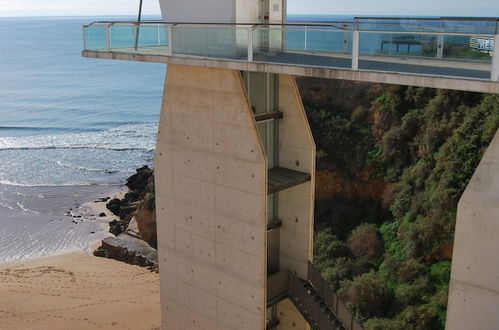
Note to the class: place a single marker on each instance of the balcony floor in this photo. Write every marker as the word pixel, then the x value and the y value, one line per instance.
pixel 414 71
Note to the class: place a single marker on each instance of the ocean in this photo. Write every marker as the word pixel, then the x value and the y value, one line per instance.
pixel 72 129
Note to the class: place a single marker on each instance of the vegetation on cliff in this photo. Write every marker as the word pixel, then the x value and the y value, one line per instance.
pixel 397 160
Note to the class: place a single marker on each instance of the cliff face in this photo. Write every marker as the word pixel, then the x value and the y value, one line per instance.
pixel 392 164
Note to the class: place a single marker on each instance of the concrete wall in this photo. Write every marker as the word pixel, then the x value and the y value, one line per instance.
pixel 222 11
pixel 296 151
pixel 249 11
pixel 295 205
pixel 199 11
pixel 211 203
pixel 474 286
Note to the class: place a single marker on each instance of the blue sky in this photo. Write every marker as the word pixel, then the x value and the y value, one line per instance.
pixel 340 7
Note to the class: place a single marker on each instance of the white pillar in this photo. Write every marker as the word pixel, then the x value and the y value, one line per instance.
pixel 440 46
pixel 108 37
pixel 494 76
pixel 84 37
pixel 250 43
pixel 355 50
pixel 169 36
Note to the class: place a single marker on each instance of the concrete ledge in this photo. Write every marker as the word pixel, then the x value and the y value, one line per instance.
pixel 456 83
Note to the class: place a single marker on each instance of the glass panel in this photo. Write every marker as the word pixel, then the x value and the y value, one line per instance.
pixel 298 45
pixel 122 36
pixel 394 44
pixel 430 54
pixel 471 26
pixel 258 92
pixel 95 37
pixel 468 47
pixel 399 24
pixel 222 42
pixel 481 26
pixel 268 136
pixel 152 35
pixel 262 91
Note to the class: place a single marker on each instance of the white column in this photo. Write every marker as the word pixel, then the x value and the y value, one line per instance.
pixel 169 36
pixel 108 37
pixel 250 43
pixel 440 46
pixel 355 50
pixel 494 76
pixel 84 37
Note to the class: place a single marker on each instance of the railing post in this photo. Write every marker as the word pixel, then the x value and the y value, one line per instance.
pixel 306 39
pixel 159 34
pixel 355 50
pixel 440 46
pixel 108 37
pixel 494 76
pixel 84 37
pixel 250 43
pixel 169 36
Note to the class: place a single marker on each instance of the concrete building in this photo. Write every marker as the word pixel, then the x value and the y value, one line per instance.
pixel 235 158
pixel 235 164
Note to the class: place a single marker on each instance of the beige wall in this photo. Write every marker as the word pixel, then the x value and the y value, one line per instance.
pixel 295 205
pixel 210 201
pixel 296 151
pixel 474 286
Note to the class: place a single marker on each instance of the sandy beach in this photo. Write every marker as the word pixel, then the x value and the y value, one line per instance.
pixel 53 282
pixel 77 291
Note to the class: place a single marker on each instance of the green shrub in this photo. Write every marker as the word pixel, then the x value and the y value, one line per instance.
pixel 339 272
pixel 365 242
pixel 440 272
pixel 384 324
pixel 367 294
pixel 149 201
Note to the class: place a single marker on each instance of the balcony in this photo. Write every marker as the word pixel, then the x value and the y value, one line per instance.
pixel 460 48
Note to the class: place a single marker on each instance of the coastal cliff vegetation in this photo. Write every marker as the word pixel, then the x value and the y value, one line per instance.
pixel 392 164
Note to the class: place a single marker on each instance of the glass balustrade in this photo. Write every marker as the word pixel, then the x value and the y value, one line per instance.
pixel 303 45
pixel 443 47
pixel 95 37
pixel 228 42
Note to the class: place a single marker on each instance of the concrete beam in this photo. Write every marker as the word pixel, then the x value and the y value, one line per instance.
pixel 420 80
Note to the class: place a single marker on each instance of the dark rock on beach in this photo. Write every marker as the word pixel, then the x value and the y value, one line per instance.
pixel 139 184
pixel 130 250
pixel 135 241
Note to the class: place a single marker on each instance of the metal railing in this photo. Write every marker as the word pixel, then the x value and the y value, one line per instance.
pixel 284 284
pixel 462 47
pixel 312 311
pixel 332 299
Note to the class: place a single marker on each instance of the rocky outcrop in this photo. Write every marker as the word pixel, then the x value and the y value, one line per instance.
pixel 140 185
pixel 146 223
pixel 130 250
pixel 135 230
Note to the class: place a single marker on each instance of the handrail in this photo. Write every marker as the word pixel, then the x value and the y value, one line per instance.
pixel 355 26
pixel 441 18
